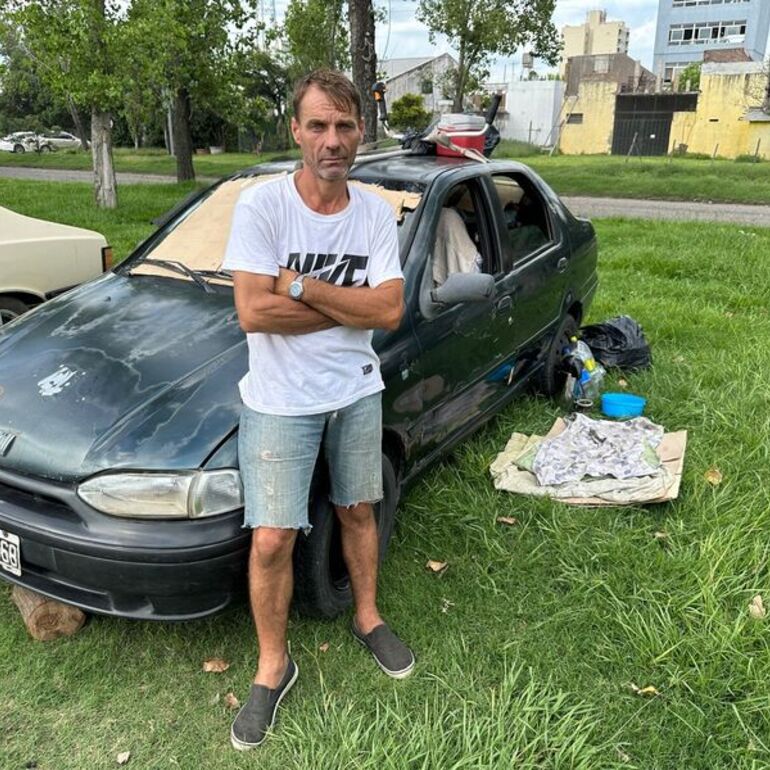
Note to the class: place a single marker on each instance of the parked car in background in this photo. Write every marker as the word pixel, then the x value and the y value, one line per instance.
pixel 23 141
pixel 62 140
pixel 40 259
pixel 119 483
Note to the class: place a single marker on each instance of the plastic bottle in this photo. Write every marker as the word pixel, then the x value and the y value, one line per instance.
pixel 589 384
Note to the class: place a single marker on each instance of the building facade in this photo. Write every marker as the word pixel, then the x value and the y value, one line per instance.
pixel 423 76
pixel 688 28
pixel 529 110
pixel 725 118
pixel 595 36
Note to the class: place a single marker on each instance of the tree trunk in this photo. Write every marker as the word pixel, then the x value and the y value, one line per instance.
pixel 183 148
pixel 364 59
pixel 105 184
pixel 457 104
pixel 80 128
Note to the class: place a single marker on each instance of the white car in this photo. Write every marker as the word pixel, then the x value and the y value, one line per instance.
pixel 25 141
pixel 62 140
pixel 40 259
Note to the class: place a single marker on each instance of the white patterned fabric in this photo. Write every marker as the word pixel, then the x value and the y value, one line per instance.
pixel 590 448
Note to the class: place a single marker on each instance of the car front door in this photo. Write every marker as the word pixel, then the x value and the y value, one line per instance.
pixel 461 370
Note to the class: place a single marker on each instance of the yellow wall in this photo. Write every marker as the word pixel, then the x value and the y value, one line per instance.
pixel 682 128
pixel 596 102
pixel 720 118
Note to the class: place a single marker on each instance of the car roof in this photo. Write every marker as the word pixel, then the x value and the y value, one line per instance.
pixel 421 169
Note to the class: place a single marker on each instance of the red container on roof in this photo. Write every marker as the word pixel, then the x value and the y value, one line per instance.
pixel 457 124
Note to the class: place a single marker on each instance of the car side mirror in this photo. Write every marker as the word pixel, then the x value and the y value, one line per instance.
pixel 464 287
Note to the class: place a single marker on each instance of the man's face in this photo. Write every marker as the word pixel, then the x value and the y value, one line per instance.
pixel 327 136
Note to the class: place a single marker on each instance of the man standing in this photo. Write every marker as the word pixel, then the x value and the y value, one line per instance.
pixel 316 268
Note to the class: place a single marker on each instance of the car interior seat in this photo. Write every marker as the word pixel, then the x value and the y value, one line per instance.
pixel 455 250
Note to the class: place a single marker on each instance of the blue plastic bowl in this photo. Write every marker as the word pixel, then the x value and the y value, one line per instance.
pixel 622 404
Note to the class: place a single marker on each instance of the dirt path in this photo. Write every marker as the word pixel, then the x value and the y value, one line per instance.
pixel 67 175
pixel 732 213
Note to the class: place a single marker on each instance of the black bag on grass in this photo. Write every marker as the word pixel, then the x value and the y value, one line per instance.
pixel 618 342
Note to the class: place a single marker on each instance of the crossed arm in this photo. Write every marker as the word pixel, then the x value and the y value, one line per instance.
pixel 263 304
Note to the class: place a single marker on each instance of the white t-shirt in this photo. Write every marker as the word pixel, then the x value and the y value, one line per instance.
pixel 296 374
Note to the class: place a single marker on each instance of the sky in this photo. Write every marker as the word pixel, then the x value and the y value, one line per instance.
pixel 404 36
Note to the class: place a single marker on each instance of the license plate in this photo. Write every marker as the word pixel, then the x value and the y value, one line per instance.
pixel 10 553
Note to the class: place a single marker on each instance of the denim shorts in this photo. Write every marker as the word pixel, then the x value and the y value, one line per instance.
pixel 277 455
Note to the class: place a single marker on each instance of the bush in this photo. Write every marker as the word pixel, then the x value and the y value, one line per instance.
pixel 409 112
pixel 748 159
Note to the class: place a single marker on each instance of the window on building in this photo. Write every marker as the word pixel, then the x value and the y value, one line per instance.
pixel 707 32
pixel 687 3
pixel 575 117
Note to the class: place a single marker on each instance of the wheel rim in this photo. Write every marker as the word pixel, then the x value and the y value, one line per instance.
pixel 6 316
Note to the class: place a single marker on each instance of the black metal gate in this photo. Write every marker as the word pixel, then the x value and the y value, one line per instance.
pixel 643 121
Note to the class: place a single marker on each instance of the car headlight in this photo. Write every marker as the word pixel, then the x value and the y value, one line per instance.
pixel 183 495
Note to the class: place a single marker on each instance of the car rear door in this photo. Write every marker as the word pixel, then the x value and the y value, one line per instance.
pixel 535 254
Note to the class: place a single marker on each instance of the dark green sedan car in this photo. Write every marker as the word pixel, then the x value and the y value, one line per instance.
pixel 119 406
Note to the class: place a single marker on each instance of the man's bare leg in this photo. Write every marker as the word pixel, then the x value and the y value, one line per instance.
pixel 271 582
pixel 360 547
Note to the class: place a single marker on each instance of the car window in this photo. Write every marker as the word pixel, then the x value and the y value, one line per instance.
pixel 459 241
pixel 525 215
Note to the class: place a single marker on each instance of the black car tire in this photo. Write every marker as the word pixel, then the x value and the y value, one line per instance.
pixel 552 378
pixel 45 148
pixel 18 148
pixel 321 583
pixel 10 308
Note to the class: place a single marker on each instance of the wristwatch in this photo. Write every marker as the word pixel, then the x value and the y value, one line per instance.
pixel 296 287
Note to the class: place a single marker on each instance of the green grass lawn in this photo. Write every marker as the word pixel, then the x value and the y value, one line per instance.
pixel 656 178
pixel 528 644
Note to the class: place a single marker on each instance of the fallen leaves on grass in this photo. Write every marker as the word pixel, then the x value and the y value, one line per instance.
pixel 231 701
pixel 510 521
pixel 438 567
pixel 215 665
pixel 324 647
pixel 660 535
pixel 757 608
pixel 644 692
pixel 123 757
pixel 445 605
pixel 714 476
pixel 622 383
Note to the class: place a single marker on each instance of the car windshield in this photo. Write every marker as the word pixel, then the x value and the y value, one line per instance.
pixel 197 237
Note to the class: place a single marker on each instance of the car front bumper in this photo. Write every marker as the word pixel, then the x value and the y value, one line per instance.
pixel 147 570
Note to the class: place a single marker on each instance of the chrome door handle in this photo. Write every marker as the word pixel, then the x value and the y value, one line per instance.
pixel 562 264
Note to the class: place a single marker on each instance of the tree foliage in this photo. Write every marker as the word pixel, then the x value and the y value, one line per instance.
pixel 316 36
pixel 26 102
pixel 409 112
pixel 480 29
pixel 77 47
pixel 689 78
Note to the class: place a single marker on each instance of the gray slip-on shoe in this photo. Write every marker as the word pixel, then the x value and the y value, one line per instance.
pixel 391 654
pixel 257 715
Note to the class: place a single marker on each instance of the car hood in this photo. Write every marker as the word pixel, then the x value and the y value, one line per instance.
pixel 124 372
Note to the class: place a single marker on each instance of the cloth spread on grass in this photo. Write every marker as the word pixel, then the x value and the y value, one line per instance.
pixel 597 448
pixel 512 472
